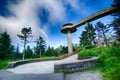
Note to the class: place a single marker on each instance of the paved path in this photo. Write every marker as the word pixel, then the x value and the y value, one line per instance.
pixel 6 75
pixel 87 75
pixel 41 67
pixel 33 71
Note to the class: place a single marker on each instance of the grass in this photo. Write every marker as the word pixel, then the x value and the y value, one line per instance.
pixel 42 58
pixel 4 63
pixel 109 61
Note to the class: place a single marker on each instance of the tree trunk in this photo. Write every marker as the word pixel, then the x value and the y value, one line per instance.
pixel 24 50
pixel 105 39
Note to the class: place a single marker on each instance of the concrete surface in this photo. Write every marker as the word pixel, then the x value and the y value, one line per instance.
pixel 43 67
pixel 87 75
pixel 6 75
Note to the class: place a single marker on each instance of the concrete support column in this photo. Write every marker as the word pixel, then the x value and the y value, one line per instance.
pixel 68 29
pixel 69 38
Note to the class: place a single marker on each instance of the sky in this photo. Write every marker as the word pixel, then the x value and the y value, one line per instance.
pixel 46 17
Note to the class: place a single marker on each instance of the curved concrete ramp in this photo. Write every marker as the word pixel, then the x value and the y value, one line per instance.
pixel 43 67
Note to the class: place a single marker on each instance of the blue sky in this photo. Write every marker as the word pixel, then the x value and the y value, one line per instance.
pixel 46 17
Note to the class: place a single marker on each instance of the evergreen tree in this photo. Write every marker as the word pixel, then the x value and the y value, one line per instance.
pixel 26 33
pixel 101 31
pixel 117 5
pixel 116 22
pixel 57 52
pixel 75 47
pixel 64 49
pixel 17 50
pixel 5 46
pixel 29 52
pixel 12 52
pixel 40 46
pixel 88 36
pixel 49 51
pixel 18 55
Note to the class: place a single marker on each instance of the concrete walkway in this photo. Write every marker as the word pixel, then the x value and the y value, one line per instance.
pixel 35 71
pixel 6 75
pixel 44 66
pixel 87 75
pixel 41 67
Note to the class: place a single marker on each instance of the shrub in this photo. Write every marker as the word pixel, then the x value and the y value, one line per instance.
pixel 3 64
pixel 89 46
pixel 109 60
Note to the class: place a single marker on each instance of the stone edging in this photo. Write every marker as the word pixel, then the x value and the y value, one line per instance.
pixel 75 66
pixel 17 63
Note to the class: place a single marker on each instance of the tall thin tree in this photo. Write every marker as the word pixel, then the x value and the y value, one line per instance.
pixel 26 33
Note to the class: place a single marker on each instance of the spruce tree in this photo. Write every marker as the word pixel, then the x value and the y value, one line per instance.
pixel 5 46
pixel 40 46
pixel 88 36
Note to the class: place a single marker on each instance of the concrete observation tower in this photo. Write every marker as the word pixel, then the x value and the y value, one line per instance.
pixel 67 29
pixel 70 28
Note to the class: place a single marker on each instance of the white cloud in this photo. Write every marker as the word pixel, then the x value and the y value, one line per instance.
pixel 25 14
pixel 55 8
pixel 74 4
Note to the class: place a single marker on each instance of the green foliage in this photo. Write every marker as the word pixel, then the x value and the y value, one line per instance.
pixel 88 36
pixel 109 60
pixel 5 46
pixel 17 55
pixel 26 33
pixel 89 46
pixel 102 30
pixel 64 50
pixel 51 51
pixel 116 22
pixel 117 5
pixel 88 52
pixel 40 47
pixel 75 47
pixel 8 51
pixel 29 52
pixel 42 58
pixel 116 28
pixel 3 64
